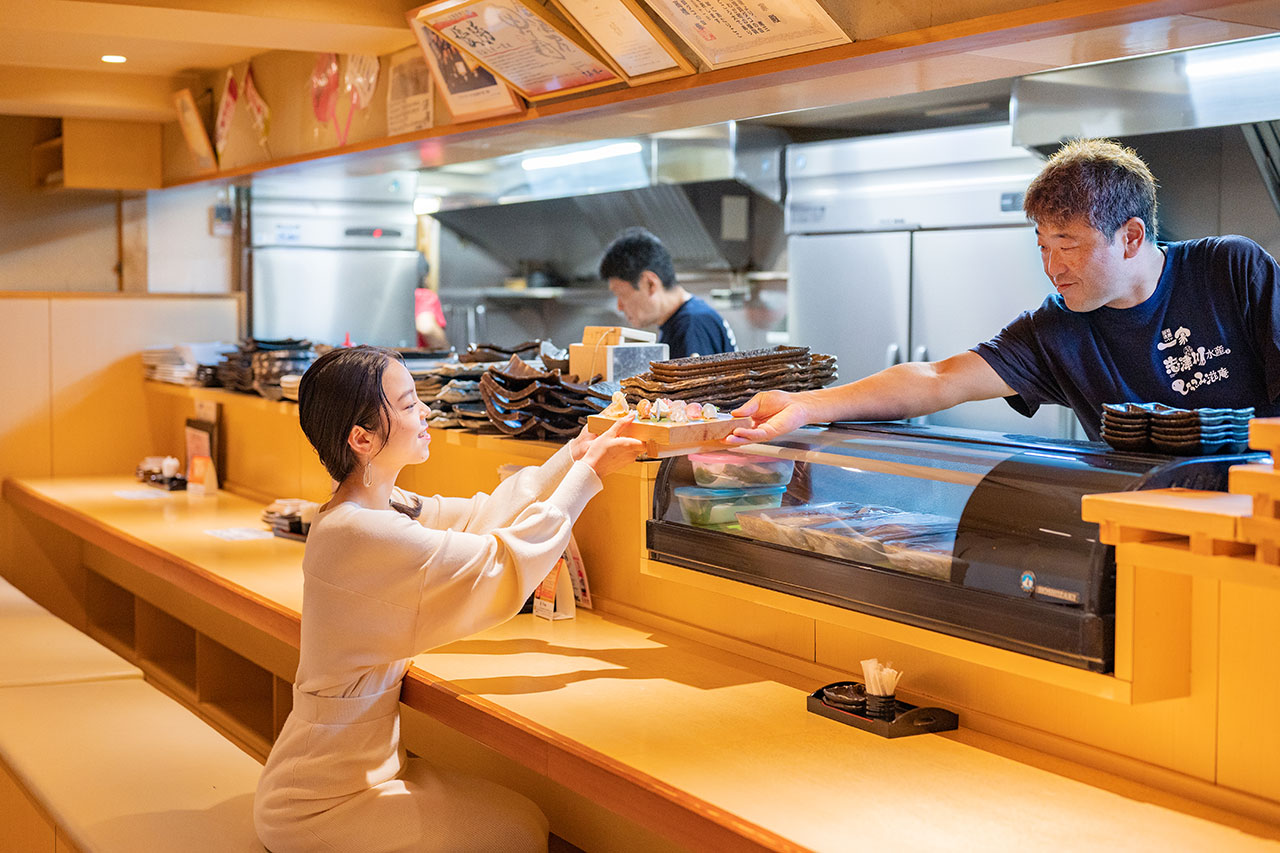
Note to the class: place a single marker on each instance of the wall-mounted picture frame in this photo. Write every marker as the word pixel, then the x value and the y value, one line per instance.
pixel 469 90
pixel 623 33
pixel 522 44
pixel 733 32
pixel 201 441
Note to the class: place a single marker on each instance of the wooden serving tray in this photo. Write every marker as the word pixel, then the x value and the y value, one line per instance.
pixel 664 438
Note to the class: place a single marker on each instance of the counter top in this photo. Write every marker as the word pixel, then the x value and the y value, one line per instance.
pixel 704 746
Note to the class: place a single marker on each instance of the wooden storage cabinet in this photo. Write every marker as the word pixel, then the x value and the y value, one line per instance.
pixel 95 154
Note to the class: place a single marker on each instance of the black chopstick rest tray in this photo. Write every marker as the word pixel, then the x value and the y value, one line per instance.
pixel 909 719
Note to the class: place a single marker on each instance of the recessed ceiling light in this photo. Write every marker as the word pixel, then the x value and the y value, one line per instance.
pixel 114 58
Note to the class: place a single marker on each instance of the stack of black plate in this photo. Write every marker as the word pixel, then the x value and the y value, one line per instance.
pixel 1181 432
pixel 271 365
pixel 1192 432
pixel 1127 426
pixel 522 400
pixel 258 364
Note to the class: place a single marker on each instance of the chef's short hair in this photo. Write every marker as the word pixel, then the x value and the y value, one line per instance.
pixel 631 253
pixel 1097 180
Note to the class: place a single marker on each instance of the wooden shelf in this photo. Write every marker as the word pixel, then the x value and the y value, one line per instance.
pixel 282 704
pixel 110 611
pixel 234 690
pixel 166 649
pixel 94 154
pixel 888 61
pixel 46 161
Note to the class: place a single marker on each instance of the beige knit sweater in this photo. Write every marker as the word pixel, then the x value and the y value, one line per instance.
pixel 378 589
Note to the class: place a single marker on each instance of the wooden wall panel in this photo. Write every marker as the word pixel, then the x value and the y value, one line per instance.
pixel 1248 740
pixel 262 457
pixel 25 421
pixel 25 441
pixel 98 402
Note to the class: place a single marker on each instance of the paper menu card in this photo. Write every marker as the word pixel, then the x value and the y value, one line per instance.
pixel 519 44
pixel 470 91
pixel 731 32
pixel 624 34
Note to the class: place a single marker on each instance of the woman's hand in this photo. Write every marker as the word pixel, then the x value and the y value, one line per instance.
pixel 772 413
pixel 609 451
pixel 578 444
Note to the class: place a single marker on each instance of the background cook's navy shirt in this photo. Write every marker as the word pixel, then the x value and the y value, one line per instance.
pixel 696 328
pixel 1207 337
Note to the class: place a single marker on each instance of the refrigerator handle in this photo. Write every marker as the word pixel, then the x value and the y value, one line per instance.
pixel 922 353
pixel 892 355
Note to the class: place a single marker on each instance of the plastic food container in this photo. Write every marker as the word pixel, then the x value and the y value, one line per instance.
pixel 720 507
pixel 725 470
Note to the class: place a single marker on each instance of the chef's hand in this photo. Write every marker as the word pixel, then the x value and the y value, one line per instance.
pixel 772 413
pixel 609 451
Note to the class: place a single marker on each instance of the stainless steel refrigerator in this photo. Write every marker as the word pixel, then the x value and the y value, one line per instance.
pixel 334 258
pixel 914 247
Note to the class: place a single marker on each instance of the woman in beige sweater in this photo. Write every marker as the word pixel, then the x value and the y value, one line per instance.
pixel 388 575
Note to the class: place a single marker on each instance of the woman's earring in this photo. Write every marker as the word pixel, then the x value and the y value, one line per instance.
pixel 368 473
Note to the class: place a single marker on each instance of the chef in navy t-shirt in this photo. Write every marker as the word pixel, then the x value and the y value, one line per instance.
pixel 1205 338
pixel 640 274
pixel 1191 324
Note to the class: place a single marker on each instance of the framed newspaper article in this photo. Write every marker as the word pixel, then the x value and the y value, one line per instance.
pixel 521 44
pixel 733 32
pixel 469 90
pixel 624 34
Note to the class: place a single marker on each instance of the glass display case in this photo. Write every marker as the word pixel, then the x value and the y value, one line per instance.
pixel 974 534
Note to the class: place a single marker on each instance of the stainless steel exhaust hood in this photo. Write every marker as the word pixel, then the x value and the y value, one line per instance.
pixel 1234 83
pixel 699 190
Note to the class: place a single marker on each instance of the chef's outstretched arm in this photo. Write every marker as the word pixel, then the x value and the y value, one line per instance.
pixel 902 391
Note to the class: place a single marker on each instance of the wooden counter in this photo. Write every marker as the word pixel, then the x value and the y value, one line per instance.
pixel 708 749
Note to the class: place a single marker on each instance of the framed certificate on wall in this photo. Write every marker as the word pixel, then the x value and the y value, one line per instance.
pixel 522 45
pixel 469 90
pixel 733 32
pixel 623 33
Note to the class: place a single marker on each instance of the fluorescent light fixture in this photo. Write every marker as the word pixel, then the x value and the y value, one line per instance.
pixel 114 58
pixel 424 205
pixel 586 155
pixel 1243 65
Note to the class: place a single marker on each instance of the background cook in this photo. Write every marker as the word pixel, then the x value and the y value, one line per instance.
pixel 639 272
